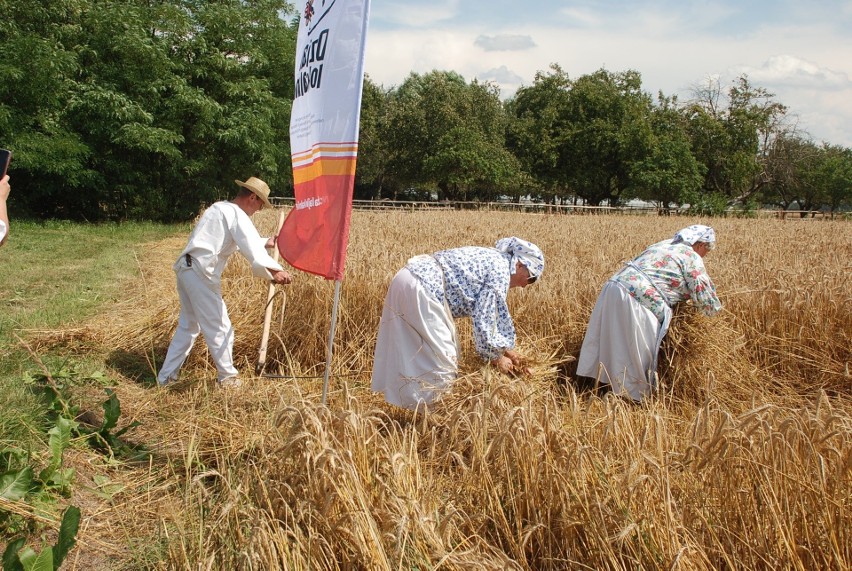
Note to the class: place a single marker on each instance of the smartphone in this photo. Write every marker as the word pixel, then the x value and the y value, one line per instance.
pixel 5 157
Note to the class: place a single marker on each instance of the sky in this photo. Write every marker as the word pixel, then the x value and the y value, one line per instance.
pixel 799 51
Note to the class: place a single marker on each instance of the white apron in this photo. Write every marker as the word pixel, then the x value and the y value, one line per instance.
pixel 416 357
pixel 621 343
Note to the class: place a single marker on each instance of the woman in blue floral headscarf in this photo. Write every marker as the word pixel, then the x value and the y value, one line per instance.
pixel 417 352
pixel 634 309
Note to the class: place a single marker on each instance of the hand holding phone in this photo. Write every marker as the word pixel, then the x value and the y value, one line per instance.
pixel 5 157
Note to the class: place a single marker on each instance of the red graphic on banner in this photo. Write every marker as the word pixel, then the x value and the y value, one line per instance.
pixel 316 232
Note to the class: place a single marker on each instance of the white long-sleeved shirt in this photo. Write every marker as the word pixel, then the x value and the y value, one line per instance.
pixel 223 229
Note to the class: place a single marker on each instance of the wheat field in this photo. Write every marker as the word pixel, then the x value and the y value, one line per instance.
pixel 743 461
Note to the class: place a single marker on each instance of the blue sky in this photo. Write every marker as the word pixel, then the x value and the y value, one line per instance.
pixel 800 51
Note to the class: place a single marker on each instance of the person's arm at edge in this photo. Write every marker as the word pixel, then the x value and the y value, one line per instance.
pixel 5 189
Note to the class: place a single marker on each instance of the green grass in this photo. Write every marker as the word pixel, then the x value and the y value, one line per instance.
pixel 56 274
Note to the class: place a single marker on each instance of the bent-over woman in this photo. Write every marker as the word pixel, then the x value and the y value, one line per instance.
pixel 634 309
pixel 416 356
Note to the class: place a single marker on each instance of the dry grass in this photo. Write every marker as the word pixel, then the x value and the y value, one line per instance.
pixel 743 462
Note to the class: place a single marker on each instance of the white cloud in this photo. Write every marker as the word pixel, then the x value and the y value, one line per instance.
pixel 648 18
pixel 505 43
pixel 392 56
pixel 581 17
pixel 794 71
pixel 503 76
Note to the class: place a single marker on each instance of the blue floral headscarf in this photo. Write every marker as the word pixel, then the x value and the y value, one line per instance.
pixel 695 233
pixel 522 251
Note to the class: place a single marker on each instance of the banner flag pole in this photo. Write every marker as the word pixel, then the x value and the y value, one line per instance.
pixel 324 127
pixel 330 340
pixel 267 318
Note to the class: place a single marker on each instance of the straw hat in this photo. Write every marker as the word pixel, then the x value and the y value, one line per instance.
pixel 257 186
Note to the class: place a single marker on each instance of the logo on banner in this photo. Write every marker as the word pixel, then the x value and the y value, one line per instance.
pixel 310 12
pixel 309 74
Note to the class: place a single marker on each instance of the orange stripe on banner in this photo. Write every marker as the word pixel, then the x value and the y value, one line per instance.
pixel 324 167
pixel 318 150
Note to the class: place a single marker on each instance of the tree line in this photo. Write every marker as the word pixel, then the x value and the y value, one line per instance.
pixel 130 109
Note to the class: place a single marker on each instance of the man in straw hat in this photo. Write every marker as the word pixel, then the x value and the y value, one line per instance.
pixel 223 228
pixel 634 310
pixel 416 358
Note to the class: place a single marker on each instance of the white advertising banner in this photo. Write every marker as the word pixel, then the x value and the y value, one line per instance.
pixel 329 76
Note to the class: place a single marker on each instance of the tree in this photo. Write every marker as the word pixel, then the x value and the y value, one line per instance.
pixel 537 121
pixel 668 174
pixel 372 146
pixel 450 135
pixel 37 40
pixel 142 109
pixel 786 164
pixel 734 142
pixel 581 136
pixel 828 180
pixel 608 130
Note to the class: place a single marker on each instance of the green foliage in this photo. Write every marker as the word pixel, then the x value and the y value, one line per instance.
pixel 444 132
pixel 372 171
pixel 11 559
pixel 16 557
pixel 122 109
pixel 610 130
pixel 536 126
pixel 20 483
pixel 829 178
pixel 807 176
pixel 67 534
pixel 107 439
pixel 15 485
pixel 54 476
pixel 733 141
pixel 54 386
pixel 703 204
pixel 668 173
pixel 585 135
pixel 89 263
pixel 104 438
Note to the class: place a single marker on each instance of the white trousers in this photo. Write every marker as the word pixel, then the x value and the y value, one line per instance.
pixel 202 310
pixel 621 343
pixel 416 358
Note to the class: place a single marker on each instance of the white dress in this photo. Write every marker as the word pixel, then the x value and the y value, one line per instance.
pixel 620 345
pixel 633 312
pixel 416 357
